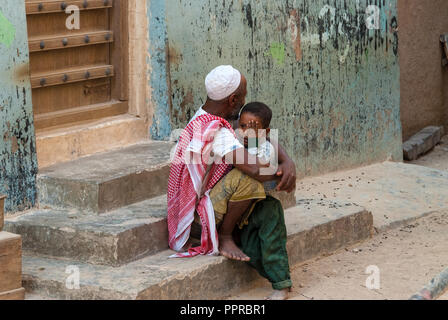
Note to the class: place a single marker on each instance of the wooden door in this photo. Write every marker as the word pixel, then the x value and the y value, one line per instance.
pixel 77 75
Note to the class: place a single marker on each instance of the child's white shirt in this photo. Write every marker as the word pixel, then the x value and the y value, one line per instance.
pixel 266 153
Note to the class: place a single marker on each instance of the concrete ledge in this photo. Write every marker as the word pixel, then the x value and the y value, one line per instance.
pixel 114 238
pixel 317 227
pixel 314 228
pixel 107 181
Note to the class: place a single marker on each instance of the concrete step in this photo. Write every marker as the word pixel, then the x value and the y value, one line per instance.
pixel 69 142
pixel 314 228
pixel 106 181
pixel 114 238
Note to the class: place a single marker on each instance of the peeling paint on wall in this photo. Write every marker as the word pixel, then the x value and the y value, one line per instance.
pixel 277 51
pixel 18 163
pixel 159 73
pixel 294 29
pixel 332 83
pixel 7 31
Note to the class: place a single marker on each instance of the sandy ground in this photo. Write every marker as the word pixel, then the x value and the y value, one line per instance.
pixel 407 258
pixel 437 159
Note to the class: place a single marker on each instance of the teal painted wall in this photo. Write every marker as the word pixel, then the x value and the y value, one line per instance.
pixel 159 74
pixel 18 163
pixel 332 83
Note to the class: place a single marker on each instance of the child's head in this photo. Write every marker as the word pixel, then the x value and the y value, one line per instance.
pixel 255 111
pixel 256 116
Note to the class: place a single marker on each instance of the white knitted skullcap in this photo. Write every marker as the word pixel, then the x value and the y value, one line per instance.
pixel 221 82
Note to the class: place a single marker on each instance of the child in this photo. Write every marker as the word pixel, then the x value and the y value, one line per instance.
pixel 264 237
pixel 261 236
pixel 254 122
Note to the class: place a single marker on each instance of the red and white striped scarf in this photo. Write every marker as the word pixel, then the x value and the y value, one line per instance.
pixel 185 185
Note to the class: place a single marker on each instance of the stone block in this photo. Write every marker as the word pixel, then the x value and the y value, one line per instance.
pixel 10 261
pixel 422 142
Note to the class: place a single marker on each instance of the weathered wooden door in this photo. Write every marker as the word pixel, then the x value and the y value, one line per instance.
pixel 77 75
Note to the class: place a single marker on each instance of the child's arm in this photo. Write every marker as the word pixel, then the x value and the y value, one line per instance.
pixel 286 170
pixel 250 165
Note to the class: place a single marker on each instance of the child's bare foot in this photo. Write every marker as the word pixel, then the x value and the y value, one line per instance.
pixel 279 294
pixel 229 249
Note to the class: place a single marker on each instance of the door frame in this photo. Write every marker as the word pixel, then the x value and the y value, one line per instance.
pixel 139 91
pixel 119 50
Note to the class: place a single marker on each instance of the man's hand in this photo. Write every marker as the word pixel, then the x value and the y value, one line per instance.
pixel 287 171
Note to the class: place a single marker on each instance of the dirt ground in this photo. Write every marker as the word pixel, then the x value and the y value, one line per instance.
pixel 407 258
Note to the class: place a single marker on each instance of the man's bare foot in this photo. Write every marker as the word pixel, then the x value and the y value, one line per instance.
pixel 229 249
pixel 279 294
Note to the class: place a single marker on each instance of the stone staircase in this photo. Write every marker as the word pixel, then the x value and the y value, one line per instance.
pixel 105 215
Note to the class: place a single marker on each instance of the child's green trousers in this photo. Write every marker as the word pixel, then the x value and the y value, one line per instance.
pixel 264 241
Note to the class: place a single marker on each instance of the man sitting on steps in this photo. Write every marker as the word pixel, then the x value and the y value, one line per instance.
pixel 206 152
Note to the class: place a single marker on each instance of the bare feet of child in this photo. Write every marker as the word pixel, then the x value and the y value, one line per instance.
pixel 229 249
pixel 279 294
